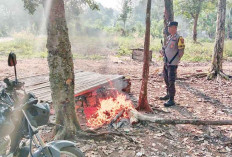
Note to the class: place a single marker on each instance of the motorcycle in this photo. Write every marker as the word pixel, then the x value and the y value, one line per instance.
pixel 20 118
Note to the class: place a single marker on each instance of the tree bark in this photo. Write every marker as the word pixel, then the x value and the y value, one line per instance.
pixel 229 33
pixel 228 30
pixel 136 116
pixel 143 102
pixel 60 61
pixel 216 68
pixel 195 28
pixel 168 17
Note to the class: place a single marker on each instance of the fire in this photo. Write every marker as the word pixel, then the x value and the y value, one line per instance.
pixel 108 109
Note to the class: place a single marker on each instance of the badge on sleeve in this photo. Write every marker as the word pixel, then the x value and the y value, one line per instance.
pixel 181 44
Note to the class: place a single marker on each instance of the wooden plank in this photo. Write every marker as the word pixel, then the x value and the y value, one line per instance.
pixel 43 78
pixel 36 86
pixel 80 83
pixel 84 82
pixel 80 92
pixel 91 82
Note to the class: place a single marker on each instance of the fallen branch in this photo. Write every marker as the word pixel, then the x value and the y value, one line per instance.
pixel 117 116
pixel 198 75
pixel 136 116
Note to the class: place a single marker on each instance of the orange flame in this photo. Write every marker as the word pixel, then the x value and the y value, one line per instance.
pixel 108 109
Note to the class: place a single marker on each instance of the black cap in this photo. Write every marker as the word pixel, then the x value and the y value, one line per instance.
pixel 173 23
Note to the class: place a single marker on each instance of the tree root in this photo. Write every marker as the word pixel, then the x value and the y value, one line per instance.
pixel 62 132
pixel 223 75
pixel 91 134
pixel 144 107
pixel 213 74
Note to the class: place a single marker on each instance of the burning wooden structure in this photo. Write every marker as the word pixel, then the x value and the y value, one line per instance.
pixel 93 92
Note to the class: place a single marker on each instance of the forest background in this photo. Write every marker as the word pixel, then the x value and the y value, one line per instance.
pixel 97 33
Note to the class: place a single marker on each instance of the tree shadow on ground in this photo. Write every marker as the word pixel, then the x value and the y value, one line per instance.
pixel 215 102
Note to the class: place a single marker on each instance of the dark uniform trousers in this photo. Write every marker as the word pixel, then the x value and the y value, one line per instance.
pixel 170 72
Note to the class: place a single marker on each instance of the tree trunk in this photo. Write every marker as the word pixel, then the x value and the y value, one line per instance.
pixel 228 30
pixel 60 61
pixel 216 68
pixel 195 28
pixel 168 17
pixel 124 28
pixel 143 102
pixel 229 33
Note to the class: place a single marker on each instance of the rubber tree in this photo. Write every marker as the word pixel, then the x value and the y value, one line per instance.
pixel 229 17
pixel 61 76
pixel 60 61
pixel 216 67
pixel 125 13
pixel 190 9
pixel 168 17
pixel 143 102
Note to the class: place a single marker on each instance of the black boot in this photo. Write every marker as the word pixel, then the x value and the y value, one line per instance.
pixel 166 97
pixel 170 102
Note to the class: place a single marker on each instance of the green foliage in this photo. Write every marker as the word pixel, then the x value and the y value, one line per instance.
pixel 207 23
pixel 91 4
pixel 157 29
pixel 228 48
pixel 203 11
pixel 194 52
pixel 31 5
pixel 96 18
pixel 124 50
pixel 25 46
pixel 98 27
pixel 125 44
pixel 189 8
pixel 204 51
pixel 198 52
pixel 16 19
pixel 74 8
pixel 140 29
pixel 126 10
pixel 192 8
pixel 155 45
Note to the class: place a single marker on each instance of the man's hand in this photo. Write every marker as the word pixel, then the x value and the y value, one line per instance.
pixel 161 53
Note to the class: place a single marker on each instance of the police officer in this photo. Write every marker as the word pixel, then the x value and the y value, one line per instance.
pixel 172 52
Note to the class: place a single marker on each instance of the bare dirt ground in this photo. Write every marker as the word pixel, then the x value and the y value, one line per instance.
pixel 196 98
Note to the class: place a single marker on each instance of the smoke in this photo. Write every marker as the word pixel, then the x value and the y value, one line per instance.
pixel 92 35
